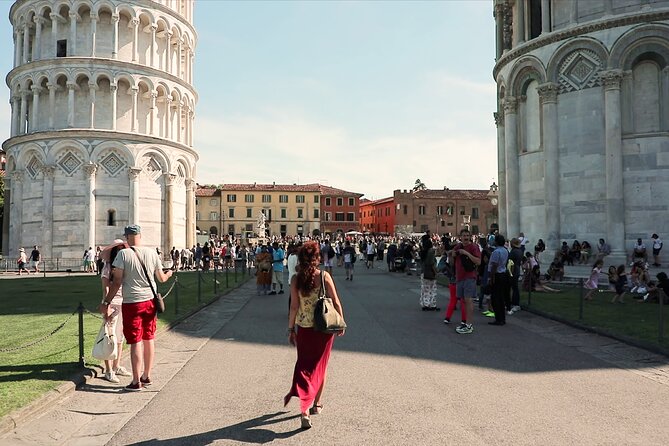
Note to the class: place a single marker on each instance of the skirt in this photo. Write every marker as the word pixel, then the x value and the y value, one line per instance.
pixel 313 354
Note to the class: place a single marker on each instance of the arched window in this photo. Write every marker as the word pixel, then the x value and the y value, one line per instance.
pixel 530 119
pixel 213 230
pixel 646 96
pixel 111 217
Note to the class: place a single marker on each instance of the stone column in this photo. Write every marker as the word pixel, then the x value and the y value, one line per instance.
pixel 501 172
pixel 664 96
pixel 73 34
pixel 133 211
pixel 94 33
pixel 615 206
pixel 133 125
pixel 89 220
pixel 499 30
pixel 16 119
pixel 168 50
pixel 70 104
pixel 47 210
pixel 16 215
pixel 17 48
pixel 113 91
pixel 167 133
pixel 178 135
pixel 135 39
pixel 545 17
pixel 35 112
pixel 7 217
pixel 190 212
pixel 24 112
pixel 114 21
pixel 548 96
pixel 92 89
pixel 37 43
pixel 608 7
pixel 573 13
pixel 52 104
pixel 191 127
pixel 169 211
pixel 26 42
pixel 153 28
pixel 54 32
pixel 178 61
pixel 153 113
pixel 512 169
pixel 519 20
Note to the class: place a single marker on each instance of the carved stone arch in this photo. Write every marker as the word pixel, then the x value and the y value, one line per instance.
pixel 44 11
pixel 154 162
pixel 104 5
pixel 11 164
pixel 525 70
pixel 102 74
pixel 58 8
pixel 127 10
pixel 636 41
pixel 577 64
pixel 59 74
pixel 31 158
pixel 183 166
pixel 125 77
pixel 68 156
pixel 113 158
pixel 76 6
pixel 147 81
pixel 147 13
pixel 81 72
pixel 42 79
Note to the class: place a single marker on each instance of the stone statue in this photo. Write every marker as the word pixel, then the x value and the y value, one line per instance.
pixel 260 225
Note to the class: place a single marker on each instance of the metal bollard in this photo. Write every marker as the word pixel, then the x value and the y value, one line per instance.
pixel 661 297
pixel 235 271
pixel 529 294
pixel 199 286
pixel 580 300
pixel 215 282
pixel 176 294
pixel 80 310
pixel 227 283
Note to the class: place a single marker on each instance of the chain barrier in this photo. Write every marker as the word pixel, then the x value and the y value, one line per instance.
pixel 170 290
pixel 43 338
pixel 95 315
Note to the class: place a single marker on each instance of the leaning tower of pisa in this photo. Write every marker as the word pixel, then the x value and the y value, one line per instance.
pixel 102 107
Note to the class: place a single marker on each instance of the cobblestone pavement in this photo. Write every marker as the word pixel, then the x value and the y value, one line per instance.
pixel 398 377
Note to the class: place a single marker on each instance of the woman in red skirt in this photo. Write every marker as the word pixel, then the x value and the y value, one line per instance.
pixel 313 347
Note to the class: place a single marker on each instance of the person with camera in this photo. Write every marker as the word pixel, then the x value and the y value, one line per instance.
pixel 498 277
pixel 467 256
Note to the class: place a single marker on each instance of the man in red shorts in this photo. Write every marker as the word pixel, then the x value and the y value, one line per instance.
pixel 131 268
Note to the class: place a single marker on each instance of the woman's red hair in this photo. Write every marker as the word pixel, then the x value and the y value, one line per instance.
pixel 308 258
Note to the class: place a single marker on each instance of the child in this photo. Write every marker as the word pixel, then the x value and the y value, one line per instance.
pixel 592 283
pixel 620 284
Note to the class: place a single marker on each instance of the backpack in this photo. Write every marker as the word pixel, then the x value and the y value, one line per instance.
pixel 467 263
pixel 331 252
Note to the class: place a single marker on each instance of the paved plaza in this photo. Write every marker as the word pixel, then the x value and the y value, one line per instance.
pixel 398 377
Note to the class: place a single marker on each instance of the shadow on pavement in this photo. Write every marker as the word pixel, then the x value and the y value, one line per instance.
pixel 250 431
pixel 43 372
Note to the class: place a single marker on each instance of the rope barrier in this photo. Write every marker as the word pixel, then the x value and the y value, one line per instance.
pixel 43 338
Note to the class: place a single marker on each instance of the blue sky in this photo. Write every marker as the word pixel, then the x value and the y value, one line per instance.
pixel 364 96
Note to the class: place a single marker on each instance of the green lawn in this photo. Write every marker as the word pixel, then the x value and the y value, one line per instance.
pixel 32 308
pixel 633 320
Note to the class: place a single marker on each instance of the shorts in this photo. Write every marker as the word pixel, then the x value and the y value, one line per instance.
pixel 370 257
pixel 465 288
pixel 348 266
pixel 139 321
pixel 277 277
pixel 328 263
pixel 34 264
pixel 656 252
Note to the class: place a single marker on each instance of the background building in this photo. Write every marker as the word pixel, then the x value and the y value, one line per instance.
pixel 378 216
pixel 340 210
pixel 445 211
pixel 583 119
pixel 102 124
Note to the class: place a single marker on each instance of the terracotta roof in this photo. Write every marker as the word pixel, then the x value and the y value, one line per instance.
pixel 327 190
pixel 453 194
pixel 271 187
pixel 205 192
pixel 377 202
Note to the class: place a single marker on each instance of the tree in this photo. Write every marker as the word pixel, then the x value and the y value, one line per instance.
pixel 419 185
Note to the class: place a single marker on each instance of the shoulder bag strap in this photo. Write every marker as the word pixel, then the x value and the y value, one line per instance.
pixel 146 274
pixel 323 294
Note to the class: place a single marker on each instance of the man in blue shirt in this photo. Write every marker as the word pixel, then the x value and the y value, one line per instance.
pixel 498 277
pixel 277 267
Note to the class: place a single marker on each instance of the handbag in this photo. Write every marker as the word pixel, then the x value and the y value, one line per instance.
pixel 326 317
pixel 105 347
pixel 158 301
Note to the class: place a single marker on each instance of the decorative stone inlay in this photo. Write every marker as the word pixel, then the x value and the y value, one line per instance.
pixel 152 168
pixel 70 163
pixel 112 164
pixel 579 70
pixel 34 167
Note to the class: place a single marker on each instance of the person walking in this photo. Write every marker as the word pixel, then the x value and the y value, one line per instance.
pixel 657 247
pixel 428 280
pixel 263 270
pixel 135 270
pixel 278 256
pixel 517 256
pixel 22 261
pixel 467 256
pixel 35 258
pixel 498 277
pixel 313 347
pixel 113 367
pixel 348 253
pixel 592 284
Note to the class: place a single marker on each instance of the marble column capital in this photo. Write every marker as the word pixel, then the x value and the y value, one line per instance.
pixel 25 93
pixel 17 176
pixel 133 173
pixel 90 169
pixel 170 179
pixel 113 87
pixel 153 27
pixel 36 89
pixel 190 183
pixel 38 20
pixel 153 94
pixel 115 18
pixel 48 171
pixel 548 93
pixel 27 26
pixel 57 17
pixel 52 87
pixel 95 17
pixel 499 119
pixel 72 86
pixel 611 79
pixel 74 15
pixel 510 105
pixel 134 90
pixel 93 86
pixel 133 23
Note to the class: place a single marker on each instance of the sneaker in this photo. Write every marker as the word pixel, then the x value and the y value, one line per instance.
pixel 633 290
pixel 281 292
pixel 465 329
pixel 145 381
pixel 489 313
pixel 271 293
pixel 134 387
pixel 516 308
pixel 447 321
pixel 645 298
pixel 510 312
pixel 111 377
pixel 122 371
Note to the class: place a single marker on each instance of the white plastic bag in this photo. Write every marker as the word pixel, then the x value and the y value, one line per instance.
pixel 105 343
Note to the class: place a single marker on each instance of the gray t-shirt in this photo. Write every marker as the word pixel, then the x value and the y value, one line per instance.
pixel 135 286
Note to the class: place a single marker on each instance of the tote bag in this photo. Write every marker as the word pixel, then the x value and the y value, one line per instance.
pixel 105 343
pixel 326 317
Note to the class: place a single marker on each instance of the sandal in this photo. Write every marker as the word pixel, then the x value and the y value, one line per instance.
pixel 316 409
pixel 306 422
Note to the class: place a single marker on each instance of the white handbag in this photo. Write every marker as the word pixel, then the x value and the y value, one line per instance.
pixel 105 343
